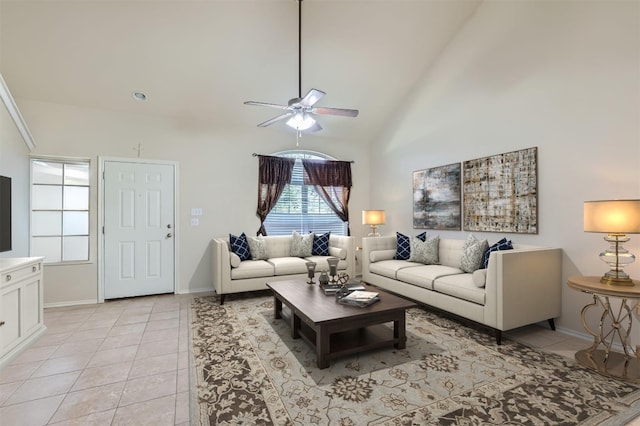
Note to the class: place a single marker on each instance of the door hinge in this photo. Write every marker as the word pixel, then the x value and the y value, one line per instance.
pixel 103 230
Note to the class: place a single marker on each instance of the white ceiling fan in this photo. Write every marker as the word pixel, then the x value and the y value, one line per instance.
pixel 300 111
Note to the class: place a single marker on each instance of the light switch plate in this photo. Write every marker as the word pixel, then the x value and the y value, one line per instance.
pixel 195 221
pixel 196 211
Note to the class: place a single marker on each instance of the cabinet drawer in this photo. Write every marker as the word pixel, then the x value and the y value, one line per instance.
pixel 18 274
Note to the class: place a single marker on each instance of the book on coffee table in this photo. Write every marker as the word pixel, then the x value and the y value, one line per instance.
pixel 360 298
pixel 331 289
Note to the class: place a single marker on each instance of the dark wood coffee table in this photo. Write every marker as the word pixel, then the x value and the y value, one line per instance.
pixel 336 330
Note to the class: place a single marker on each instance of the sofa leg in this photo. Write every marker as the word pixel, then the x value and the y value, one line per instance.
pixel 552 324
pixel 222 299
pixel 498 337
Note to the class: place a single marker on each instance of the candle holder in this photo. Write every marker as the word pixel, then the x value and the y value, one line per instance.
pixel 311 269
pixel 333 269
pixel 324 278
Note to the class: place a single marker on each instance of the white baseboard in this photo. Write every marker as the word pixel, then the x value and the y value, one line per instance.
pixel 70 303
pixel 197 290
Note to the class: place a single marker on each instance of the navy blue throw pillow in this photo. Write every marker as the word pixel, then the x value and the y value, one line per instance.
pixel 503 244
pixel 403 249
pixel 240 246
pixel 321 244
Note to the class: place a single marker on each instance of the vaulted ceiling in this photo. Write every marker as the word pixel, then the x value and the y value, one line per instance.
pixel 198 61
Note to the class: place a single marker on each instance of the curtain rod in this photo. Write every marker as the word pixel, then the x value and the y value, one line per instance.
pixel 258 155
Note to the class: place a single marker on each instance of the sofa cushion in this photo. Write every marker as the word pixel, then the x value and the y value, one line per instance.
pixel 252 269
pixel 279 245
pixel 389 268
pixel 503 244
pixel 321 244
pixel 301 245
pixel 426 251
pixel 378 255
pixel 240 246
pixel 234 260
pixel 258 248
pixel 403 246
pixel 288 265
pixel 460 286
pixel 472 254
pixel 424 275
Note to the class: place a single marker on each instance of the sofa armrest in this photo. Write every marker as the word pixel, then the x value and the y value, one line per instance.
pixel 348 244
pixel 370 244
pixel 525 285
pixel 220 264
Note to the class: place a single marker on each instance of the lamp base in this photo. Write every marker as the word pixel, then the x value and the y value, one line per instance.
pixel 617 257
pixel 622 281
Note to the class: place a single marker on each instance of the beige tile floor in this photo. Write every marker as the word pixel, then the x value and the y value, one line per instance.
pixel 122 362
pixel 125 362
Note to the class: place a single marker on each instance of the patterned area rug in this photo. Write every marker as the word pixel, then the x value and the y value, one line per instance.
pixel 249 371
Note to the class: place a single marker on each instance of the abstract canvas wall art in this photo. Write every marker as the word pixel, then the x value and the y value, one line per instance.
pixel 436 198
pixel 500 193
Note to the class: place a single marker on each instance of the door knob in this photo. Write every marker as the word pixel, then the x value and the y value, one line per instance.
pixel 1 323
pixel 169 235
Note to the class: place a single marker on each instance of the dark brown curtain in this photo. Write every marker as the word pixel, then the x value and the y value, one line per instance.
pixel 332 182
pixel 274 173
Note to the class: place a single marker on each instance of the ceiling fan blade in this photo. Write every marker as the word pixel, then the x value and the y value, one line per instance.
pixel 275 119
pixel 267 104
pixel 336 111
pixel 315 128
pixel 312 96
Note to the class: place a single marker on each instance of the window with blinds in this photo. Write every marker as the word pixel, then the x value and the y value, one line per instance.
pixel 300 208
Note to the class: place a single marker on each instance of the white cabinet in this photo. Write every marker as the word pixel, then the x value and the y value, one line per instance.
pixel 21 310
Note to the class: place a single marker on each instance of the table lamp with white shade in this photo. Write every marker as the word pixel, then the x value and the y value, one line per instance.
pixel 373 218
pixel 616 218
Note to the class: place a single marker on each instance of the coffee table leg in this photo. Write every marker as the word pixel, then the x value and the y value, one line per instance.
pixel 295 325
pixel 322 348
pixel 277 307
pixel 400 332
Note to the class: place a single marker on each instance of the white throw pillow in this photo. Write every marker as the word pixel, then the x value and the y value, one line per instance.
pixel 425 251
pixel 380 255
pixel 340 253
pixel 479 277
pixel 234 260
pixel 258 248
pixel 301 245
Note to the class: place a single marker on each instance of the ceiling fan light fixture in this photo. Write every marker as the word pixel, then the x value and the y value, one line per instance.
pixel 301 121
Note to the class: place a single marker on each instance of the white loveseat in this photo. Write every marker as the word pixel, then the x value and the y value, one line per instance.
pixel 230 275
pixel 519 287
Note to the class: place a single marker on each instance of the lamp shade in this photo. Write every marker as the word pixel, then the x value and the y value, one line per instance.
pixel 373 217
pixel 612 216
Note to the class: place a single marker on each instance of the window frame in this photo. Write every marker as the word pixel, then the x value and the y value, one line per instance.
pixel 64 161
pixel 299 154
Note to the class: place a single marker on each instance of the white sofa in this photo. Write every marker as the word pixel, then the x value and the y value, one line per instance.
pixel 521 286
pixel 250 275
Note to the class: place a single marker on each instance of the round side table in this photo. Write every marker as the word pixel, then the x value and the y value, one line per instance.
pixel 615 326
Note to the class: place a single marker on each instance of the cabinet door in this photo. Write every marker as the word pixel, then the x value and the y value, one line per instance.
pixel 10 314
pixel 30 309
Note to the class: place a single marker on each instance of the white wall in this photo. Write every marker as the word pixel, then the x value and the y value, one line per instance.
pixel 216 173
pixel 562 76
pixel 14 163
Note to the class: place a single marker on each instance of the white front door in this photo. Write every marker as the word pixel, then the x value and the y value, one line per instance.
pixel 138 223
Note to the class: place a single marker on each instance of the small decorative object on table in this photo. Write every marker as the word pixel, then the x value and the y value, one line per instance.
pixel 324 278
pixel 311 268
pixel 359 298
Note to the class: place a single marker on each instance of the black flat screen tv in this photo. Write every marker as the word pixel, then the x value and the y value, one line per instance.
pixel 5 213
